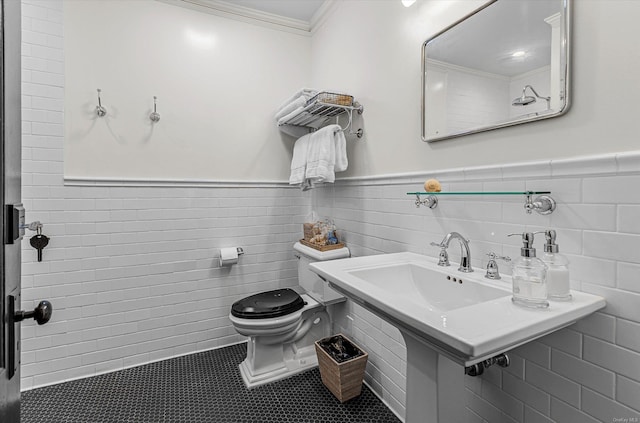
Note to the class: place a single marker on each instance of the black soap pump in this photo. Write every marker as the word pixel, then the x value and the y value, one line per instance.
pixel 529 276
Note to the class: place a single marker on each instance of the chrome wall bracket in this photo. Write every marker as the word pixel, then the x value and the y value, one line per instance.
pixel 431 201
pixel 542 204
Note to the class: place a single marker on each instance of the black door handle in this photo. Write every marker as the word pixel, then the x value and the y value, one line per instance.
pixel 41 314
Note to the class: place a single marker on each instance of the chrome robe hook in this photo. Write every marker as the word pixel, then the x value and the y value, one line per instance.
pixel 100 111
pixel 154 116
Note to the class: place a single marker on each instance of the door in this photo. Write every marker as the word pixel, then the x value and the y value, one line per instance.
pixel 10 147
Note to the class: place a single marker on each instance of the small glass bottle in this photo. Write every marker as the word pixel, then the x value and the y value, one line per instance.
pixel 558 285
pixel 529 276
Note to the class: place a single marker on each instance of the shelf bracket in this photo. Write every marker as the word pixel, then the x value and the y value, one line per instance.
pixel 542 204
pixel 431 201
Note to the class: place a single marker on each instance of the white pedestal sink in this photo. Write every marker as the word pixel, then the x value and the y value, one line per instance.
pixel 447 318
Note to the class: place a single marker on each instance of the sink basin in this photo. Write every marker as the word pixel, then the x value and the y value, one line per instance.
pixel 464 315
pixel 436 290
pixel 448 319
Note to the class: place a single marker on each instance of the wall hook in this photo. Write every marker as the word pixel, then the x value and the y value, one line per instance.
pixel 100 111
pixel 154 116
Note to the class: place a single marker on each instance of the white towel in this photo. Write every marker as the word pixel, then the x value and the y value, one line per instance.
pixel 296 104
pixel 289 115
pixel 299 160
pixel 322 154
pixel 305 93
pixel 294 131
pixel 341 150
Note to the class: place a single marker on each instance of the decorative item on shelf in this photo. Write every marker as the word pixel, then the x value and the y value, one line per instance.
pixel 432 185
pixel 307 229
pixel 321 235
pixel 332 98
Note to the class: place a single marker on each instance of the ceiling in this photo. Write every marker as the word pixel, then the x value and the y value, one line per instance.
pixel 487 40
pixel 296 9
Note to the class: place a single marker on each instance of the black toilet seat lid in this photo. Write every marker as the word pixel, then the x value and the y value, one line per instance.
pixel 264 305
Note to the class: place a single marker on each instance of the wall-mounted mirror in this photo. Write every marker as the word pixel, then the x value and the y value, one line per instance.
pixel 505 64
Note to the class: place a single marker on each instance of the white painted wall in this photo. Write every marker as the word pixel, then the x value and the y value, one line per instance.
pixel 218 81
pixel 377 44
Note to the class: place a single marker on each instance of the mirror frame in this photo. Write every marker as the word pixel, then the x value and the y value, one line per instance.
pixel 566 50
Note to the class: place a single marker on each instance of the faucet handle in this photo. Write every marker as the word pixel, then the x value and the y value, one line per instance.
pixel 494 256
pixel 492 266
pixel 443 257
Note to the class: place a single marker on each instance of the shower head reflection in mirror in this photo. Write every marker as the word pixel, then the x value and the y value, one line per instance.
pixel 525 99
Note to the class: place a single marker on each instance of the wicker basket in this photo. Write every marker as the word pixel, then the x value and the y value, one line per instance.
pixel 322 247
pixel 332 98
pixel 344 380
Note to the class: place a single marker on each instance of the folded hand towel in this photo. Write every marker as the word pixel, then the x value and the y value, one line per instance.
pixel 341 150
pixel 294 131
pixel 289 115
pixel 305 93
pixel 299 160
pixel 321 156
pixel 298 103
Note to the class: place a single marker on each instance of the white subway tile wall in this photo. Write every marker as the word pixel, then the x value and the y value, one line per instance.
pixel 132 271
pixel 587 372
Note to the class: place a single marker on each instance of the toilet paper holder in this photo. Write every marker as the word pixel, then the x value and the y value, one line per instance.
pixel 229 256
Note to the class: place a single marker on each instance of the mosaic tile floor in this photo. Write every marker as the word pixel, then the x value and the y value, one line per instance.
pixel 203 387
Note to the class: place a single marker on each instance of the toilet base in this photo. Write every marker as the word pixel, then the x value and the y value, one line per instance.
pixel 304 359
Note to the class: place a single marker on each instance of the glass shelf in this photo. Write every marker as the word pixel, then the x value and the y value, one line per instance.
pixel 543 204
pixel 481 193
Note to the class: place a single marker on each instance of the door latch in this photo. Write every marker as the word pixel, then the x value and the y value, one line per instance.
pixel 41 314
pixel 14 223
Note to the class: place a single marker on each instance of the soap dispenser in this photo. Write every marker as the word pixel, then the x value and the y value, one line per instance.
pixel 558 272
pixel 529 275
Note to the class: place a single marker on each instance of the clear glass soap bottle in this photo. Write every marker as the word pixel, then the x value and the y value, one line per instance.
pixel 529 276
pixel 558 273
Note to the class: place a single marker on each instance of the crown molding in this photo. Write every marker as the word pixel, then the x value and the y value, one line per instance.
pixel 458 68
pixel 245 14
pixel 321 15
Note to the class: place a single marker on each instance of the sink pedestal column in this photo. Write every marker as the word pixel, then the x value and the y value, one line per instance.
pixel 435 385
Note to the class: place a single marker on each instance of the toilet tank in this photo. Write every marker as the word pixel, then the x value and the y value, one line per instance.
pixel 318 289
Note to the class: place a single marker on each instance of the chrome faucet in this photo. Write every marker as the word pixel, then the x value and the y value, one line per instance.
pixel 465 260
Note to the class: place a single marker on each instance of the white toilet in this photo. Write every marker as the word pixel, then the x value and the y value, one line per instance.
pixel 282 325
